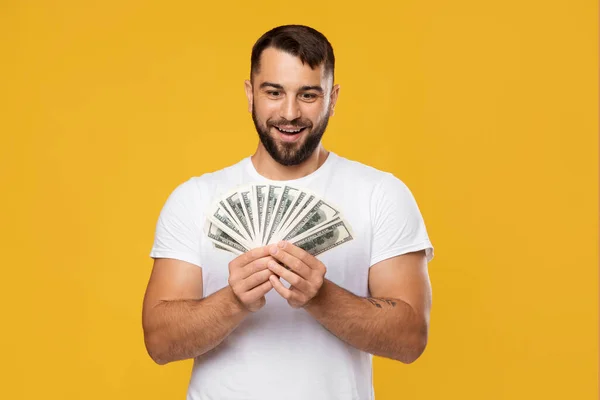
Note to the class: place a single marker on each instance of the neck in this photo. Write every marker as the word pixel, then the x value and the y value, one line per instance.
pixel 266 166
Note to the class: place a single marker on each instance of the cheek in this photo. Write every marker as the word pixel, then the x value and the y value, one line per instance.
pixel 265 111
pixel 314 114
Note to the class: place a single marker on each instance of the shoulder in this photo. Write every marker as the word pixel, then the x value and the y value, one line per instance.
pixel 200 189
pixel 364 174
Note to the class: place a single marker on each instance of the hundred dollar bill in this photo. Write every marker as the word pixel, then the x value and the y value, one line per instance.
pixel 258 202
pixel 288 195
pixel 300 200
pixel 218 246
pixel 235 203
pixel 272 197
pixel 246 197
pixel 222 218
pixel 318 214
pixel 324 239
pixel 223 240
pixel 319 227
pixel 221 213
pixel 292 218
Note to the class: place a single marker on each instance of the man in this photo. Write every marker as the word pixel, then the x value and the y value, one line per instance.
pixel 277 322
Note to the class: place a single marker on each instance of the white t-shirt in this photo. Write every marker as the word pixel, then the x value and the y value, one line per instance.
pixel 280 352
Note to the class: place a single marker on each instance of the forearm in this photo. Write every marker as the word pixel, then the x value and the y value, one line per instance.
pixel 383 327
pixel 181 329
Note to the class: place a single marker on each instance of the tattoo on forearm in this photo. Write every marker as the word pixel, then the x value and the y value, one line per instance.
pixel 377 301
pixel 376 304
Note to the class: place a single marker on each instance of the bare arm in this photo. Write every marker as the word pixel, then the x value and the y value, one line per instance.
pixel 179 324
pixel 394 323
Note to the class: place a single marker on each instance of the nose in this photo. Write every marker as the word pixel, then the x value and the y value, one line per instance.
pixel 290 109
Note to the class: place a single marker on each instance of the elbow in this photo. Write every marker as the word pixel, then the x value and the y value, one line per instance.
pixel 154 347
pixel 413 354
pixel 415 348
pixel 158 359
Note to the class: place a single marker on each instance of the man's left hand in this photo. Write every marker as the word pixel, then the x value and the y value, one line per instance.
pixel 305 275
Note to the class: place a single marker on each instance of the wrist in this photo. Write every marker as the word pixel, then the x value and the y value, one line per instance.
pixel 236 303
pixel 319 299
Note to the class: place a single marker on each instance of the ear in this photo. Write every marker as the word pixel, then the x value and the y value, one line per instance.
pixel 335 91
pixel 249 94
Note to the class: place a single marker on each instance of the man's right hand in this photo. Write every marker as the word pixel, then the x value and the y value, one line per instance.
pixel 249 278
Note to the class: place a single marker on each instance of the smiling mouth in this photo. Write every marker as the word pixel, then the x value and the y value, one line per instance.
pixel 289 131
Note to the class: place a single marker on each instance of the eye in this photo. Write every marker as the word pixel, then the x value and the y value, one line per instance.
pixel 308 96
pixel 274 93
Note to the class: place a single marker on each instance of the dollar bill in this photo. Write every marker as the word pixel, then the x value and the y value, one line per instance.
pixel 218 246
pixel 309 199
pixel 273 196
pixel 234 201
pixel 325 238
pixel 288 196
pixel 223 215
pixel 318 214
pixel 223 240
pixel 246 197
pixel 300 199
pixel 222 219
pixel 258 196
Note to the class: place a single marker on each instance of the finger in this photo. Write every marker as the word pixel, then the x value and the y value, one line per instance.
pixel 289 260
pixel 308 259
pixel 295 280
pixel 253 267
pixel 282 290
pixel 253 280
pixel 258 291
pixel 248 257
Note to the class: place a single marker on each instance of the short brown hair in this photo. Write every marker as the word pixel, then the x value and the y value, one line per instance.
pixel 310 45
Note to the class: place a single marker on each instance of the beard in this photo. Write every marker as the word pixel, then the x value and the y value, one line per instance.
pixel 289 154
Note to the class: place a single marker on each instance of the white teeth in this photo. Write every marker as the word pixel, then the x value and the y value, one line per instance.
pixel 286 131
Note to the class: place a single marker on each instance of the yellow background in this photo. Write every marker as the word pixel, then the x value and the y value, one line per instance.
pixel 486 110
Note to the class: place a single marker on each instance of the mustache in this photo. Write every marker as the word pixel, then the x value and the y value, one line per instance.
pixel 297 123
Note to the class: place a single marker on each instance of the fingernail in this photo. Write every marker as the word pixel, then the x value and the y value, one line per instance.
pixel 274 250
pixel 281 244
pixel 271 264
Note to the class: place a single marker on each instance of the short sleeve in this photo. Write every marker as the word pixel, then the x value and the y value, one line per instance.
pixel 398 226
pixel 178 230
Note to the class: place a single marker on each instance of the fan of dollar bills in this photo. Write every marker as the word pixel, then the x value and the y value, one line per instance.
pixel 259 214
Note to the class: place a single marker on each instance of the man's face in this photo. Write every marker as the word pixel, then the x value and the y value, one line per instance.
pixel 290 105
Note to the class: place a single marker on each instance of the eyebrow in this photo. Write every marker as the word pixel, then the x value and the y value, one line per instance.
pixel 303 88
